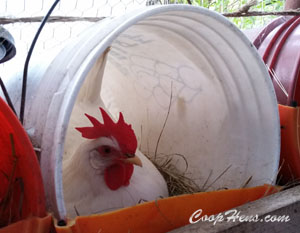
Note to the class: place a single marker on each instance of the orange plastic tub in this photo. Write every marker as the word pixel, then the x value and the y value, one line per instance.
pixel 30 225
pixel 21 187
pixel 290 147
pixel 166 214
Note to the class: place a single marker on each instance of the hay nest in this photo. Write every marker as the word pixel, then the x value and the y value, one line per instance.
pixel 177 181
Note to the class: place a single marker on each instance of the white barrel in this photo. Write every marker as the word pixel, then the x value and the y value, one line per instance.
pixel 223 116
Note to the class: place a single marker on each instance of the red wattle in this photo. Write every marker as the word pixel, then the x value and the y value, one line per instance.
pixel 117 175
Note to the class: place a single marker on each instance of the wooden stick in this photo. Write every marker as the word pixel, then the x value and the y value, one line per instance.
pixel 52 19
pixel 261 13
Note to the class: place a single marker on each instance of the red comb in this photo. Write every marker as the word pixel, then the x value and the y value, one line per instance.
pixel 121 131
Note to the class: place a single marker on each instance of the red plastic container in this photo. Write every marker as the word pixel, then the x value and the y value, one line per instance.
pixel 278 44
pixel 21 187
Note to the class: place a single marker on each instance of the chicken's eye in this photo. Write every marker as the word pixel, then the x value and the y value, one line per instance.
pixel 106 149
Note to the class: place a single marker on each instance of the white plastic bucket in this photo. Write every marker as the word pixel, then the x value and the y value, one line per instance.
pixel 223 117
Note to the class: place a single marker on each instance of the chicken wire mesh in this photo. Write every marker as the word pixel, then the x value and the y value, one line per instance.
pixel 58 33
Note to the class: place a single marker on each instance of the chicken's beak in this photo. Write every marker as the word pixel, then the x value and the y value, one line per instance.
pixel 134 160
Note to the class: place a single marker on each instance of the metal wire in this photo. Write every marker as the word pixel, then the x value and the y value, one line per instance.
pixel 24 85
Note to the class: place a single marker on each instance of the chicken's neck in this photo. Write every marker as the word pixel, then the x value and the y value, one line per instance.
pixel 80 178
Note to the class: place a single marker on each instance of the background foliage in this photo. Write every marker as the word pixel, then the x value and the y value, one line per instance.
pixel 227 6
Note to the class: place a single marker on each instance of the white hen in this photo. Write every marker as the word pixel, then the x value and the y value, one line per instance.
pixel 100 175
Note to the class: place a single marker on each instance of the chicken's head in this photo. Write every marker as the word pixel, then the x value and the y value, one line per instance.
pixel 113 149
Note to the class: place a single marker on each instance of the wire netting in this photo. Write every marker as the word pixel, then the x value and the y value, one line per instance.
pixel 58 33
